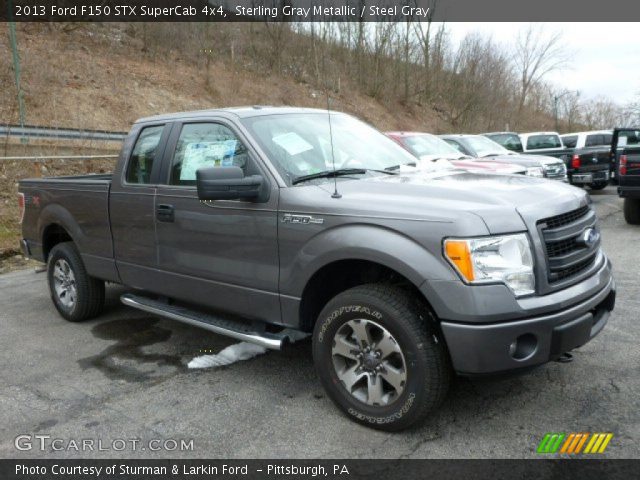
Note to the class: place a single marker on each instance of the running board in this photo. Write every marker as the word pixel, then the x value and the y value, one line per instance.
pixel 221 326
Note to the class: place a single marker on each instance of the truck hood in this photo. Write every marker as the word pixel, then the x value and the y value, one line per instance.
pixel 503 202
pixel 525 160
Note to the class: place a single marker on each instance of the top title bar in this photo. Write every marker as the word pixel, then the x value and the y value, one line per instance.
pixel 318 10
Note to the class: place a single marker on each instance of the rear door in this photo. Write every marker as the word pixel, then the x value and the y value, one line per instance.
pixel 131 202
pixel 222 254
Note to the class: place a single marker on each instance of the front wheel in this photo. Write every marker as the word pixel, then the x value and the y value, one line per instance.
pixel 76 295
pixel 379 358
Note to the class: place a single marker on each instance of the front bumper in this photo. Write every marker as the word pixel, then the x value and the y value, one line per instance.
pixel 498 347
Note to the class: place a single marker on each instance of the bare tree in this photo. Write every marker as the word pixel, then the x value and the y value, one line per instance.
pixel 536 55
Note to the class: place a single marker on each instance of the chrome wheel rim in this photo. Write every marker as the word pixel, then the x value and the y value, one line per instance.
pixel 64 283
pixel 369 362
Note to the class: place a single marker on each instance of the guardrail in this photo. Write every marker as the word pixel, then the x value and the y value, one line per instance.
pixel 54 132
pixel 57 157
pixel 37 160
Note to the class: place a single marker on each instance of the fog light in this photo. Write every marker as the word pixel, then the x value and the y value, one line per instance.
pixel 524 346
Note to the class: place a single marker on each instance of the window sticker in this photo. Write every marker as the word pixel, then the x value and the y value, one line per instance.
pixel 292 143
pixel 206 154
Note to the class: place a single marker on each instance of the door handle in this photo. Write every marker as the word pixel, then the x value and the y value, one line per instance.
pixel 164 213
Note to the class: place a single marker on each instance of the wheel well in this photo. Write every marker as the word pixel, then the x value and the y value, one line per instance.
pixel 51 236
pixel 342 275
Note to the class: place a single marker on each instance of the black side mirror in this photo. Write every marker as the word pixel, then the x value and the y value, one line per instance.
pixel 227 183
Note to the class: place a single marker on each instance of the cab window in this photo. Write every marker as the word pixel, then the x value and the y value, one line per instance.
pixel 205 145
pixel 143 155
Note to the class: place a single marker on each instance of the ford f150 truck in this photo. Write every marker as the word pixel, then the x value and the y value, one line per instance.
pixel 625 152
pixel 246 221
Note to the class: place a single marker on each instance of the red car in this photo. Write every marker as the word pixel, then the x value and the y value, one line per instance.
pixel 427 147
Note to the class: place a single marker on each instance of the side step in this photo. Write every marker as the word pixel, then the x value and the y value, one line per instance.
pixel 221 326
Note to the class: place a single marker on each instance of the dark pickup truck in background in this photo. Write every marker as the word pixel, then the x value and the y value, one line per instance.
pixel 625 153
pixel 587 164
pixel 246 221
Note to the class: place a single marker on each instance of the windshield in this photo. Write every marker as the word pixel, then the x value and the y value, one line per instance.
pixel 510 141
pixel 299 144
pixel 423 145
pixel 535 142
pixel 485 147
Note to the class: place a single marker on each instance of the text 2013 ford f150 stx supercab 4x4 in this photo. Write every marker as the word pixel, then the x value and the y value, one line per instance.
pixel 245 221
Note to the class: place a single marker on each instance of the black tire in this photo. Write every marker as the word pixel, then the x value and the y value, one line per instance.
pixel 89 291
pixel 424 356
pixel 599 186
pixel 632 211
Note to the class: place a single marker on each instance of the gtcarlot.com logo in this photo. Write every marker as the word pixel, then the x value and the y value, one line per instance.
pixel 574 443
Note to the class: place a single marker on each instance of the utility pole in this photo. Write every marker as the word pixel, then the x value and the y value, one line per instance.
pixel 16 62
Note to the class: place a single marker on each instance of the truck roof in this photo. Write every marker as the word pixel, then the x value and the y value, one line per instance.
pixel 240 112
pixel 528 134
pixel 589 132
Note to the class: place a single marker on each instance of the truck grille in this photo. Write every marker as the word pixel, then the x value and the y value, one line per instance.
pixel 555 170
pixel 567 254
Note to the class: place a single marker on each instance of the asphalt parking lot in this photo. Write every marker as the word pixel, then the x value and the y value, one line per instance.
pixel 124 376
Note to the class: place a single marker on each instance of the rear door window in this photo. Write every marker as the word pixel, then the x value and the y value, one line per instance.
pixel 143 155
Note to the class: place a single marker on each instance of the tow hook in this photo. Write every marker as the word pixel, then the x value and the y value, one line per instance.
pixel 566 357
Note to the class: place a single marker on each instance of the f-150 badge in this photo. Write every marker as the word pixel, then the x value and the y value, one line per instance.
pixel 305 219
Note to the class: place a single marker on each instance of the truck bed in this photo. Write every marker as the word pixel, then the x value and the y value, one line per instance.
pixel 80 205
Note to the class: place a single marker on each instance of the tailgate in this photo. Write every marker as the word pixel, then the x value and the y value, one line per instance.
pixel 630 170
pixel 594 160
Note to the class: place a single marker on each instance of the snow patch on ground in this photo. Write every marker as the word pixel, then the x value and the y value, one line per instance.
pixel 239 352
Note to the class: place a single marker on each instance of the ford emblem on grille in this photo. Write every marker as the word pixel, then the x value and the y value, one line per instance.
pixel 589 237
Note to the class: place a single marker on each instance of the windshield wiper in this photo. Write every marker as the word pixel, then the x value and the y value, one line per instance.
pixel 329 173
pixel 396 167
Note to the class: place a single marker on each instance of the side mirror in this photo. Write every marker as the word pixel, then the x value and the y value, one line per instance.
pixel 227 183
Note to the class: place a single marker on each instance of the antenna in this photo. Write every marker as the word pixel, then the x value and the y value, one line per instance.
pixel 333 158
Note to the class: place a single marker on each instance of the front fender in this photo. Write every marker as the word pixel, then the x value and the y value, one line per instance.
pixel 384 246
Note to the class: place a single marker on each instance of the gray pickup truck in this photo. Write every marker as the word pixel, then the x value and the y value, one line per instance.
pixel 250 220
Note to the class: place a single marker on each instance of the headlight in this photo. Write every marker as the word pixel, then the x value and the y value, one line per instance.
pixel 535 172
pixel 506 259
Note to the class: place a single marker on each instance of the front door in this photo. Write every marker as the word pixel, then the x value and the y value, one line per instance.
pixel 224 253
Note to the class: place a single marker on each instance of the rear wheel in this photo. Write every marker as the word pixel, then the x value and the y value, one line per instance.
pixel 379 358
pixel 632 211
pixel 76 295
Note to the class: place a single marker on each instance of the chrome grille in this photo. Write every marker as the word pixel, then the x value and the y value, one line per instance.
pixel 555 170
pixel 566 254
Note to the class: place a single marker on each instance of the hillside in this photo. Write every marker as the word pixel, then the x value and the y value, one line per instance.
pixel 100 77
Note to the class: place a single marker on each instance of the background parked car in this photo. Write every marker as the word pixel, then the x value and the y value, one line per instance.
pixel 483 147
pixel 426 146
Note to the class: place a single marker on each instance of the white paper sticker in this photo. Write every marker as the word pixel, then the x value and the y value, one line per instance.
pixel 292 143
pixel 206 154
